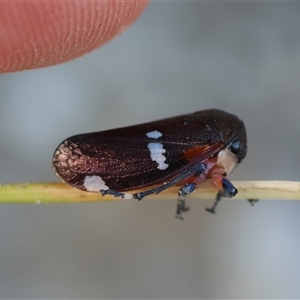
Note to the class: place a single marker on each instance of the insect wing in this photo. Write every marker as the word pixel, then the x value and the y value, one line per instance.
pixel 133 157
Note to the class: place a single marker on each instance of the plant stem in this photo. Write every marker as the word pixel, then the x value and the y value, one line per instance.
pixel 32 193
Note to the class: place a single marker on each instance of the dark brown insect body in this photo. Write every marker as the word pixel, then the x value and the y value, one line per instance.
pixel 179 150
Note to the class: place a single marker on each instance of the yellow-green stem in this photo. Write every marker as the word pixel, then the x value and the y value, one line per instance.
pixel 32 193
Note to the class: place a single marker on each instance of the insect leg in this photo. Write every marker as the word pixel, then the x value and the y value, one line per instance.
pixel 252 201
pixel 111 192
pixel 197 168
pixel 183 191
pixel 228 191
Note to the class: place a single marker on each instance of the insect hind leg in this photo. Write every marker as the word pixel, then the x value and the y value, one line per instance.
pixel 111 192
pixel 197 168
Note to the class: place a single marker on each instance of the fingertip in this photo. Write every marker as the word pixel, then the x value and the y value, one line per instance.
pixel 40 34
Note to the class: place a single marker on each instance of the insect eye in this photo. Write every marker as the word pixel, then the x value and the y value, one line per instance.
pixel 235 147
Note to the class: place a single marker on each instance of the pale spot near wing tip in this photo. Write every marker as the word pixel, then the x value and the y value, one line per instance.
pixel 94 183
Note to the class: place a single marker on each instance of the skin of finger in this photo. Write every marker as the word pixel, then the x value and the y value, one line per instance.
pixel 40 34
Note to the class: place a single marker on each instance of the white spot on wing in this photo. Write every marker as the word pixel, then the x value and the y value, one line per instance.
pixel 156 154
pixel 154 134
pixel 94 184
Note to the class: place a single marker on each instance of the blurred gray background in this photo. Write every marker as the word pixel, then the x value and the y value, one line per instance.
pixel 177 58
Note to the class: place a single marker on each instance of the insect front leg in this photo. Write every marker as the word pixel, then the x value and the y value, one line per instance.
pixel 228 191
pixel 252 201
